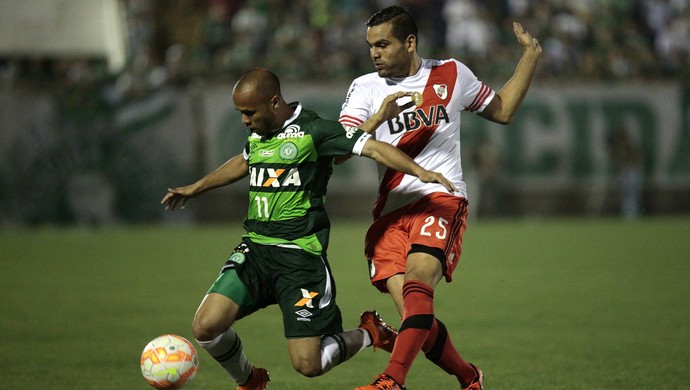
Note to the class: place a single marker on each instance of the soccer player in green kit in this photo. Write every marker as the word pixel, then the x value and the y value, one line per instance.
pixel 282 257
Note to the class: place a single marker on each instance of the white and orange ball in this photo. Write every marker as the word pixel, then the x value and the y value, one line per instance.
pixel 169 362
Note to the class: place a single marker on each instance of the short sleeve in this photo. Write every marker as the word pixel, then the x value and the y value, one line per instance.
pixel 476 95
pixel 332 138
pixel 356 108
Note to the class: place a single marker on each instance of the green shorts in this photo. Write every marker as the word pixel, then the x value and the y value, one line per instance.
pixel 256 276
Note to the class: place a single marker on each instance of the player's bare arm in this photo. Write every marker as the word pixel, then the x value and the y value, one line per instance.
pixel 505 104
pixel 389 109
pixel 233 170
pixel 393 158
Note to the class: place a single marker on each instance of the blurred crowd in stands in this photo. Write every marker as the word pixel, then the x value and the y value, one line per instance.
pixel 191 43
pixel 178 41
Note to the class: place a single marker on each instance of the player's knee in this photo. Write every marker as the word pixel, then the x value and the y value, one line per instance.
pixel 424 267
pixel 306 368
pixel 204 330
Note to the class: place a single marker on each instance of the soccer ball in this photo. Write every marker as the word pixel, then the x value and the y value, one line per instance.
pixel 169 362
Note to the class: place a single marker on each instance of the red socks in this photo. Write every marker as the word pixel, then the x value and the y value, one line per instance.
pixel 440 350
pixel 417 321
pixel 420 330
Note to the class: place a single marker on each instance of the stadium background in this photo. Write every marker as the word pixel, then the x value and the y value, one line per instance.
pixel 106 103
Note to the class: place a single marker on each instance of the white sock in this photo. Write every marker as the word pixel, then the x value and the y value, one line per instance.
pixel 338 348
pixel 227 350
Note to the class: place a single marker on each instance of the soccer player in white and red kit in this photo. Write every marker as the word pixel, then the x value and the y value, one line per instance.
pixel 416 237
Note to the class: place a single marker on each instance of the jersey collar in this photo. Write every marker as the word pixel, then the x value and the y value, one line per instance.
pixel 298 110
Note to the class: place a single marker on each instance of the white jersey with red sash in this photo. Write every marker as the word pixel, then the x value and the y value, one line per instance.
pixel 430 134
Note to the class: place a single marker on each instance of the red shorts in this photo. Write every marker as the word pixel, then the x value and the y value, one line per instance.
pixel 435 221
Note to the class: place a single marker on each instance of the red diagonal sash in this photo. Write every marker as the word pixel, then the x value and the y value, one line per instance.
pixel 413 142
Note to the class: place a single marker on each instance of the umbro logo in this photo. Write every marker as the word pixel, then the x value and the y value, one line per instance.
pixel 304 313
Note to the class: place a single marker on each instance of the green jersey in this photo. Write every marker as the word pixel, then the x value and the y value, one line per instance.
pixel 288 175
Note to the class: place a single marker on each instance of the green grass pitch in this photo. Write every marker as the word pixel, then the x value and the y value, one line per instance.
pixel 547 304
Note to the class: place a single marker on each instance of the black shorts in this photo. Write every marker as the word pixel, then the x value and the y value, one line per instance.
pixel 299 282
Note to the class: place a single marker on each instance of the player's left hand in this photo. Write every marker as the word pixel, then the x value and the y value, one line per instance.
pixel 435 177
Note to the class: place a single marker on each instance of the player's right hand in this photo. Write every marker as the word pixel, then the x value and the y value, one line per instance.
pixel 175 196
pixel 390 108
pixel 435 177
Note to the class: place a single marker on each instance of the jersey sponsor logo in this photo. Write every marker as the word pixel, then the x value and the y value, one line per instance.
pixel 266 153
pixel 274 177
pixel 413 120
pixel 292 131
pixel 307 298
pixel 441 91
pixel 349 131
pixel 288 151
